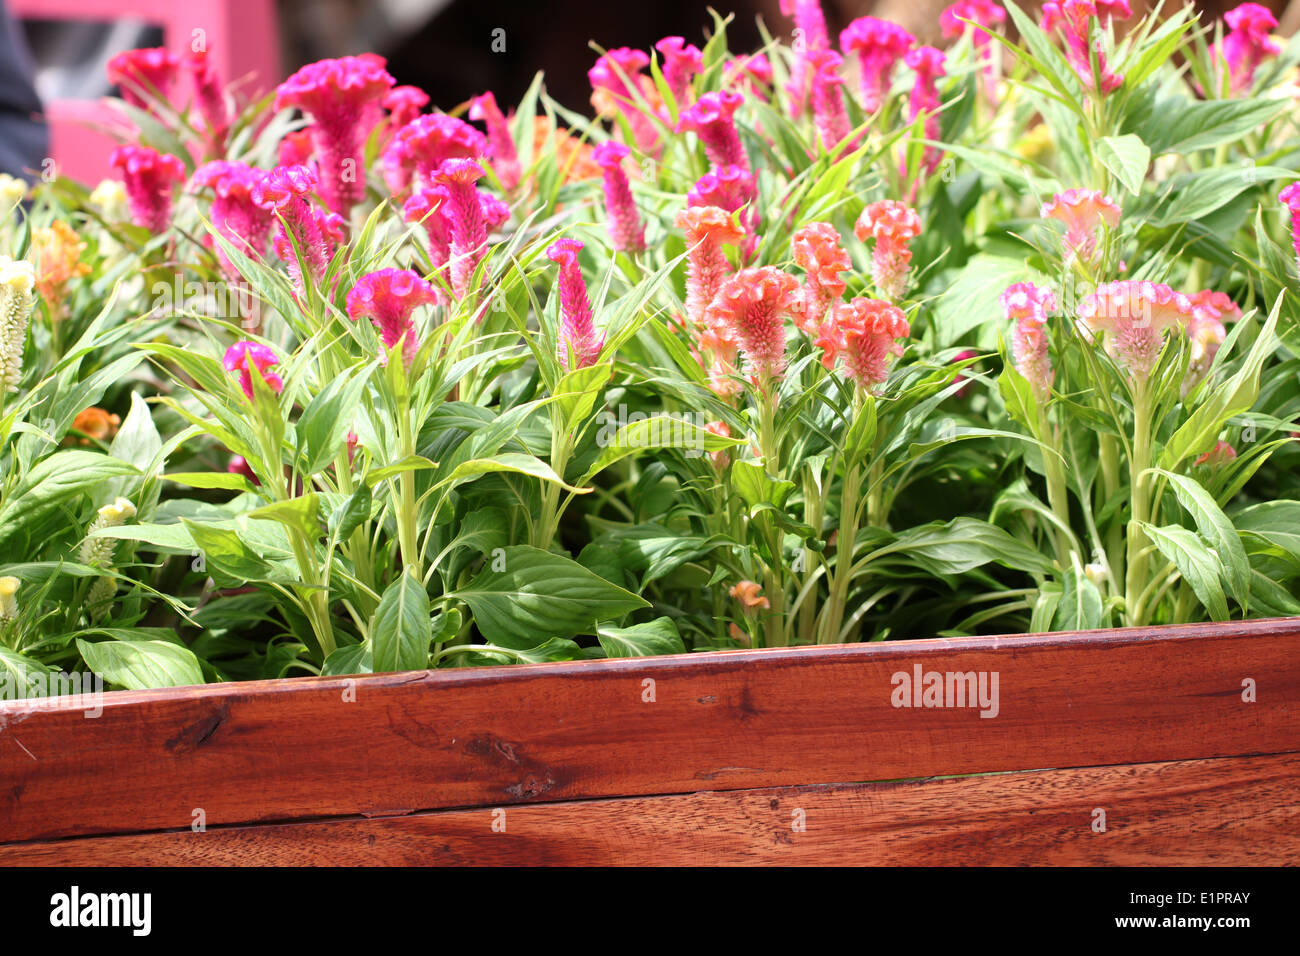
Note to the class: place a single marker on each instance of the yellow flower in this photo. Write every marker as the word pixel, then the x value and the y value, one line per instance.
pixel 1036 145
pixel 8 598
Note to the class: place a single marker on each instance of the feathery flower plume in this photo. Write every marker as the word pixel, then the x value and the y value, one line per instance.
pixel 1248 44
pixel 879 45
pixel 1029 308
pixel 424 144
pixel 578 335
pixel 750 307
pixel 708 229
pixel 711 118
pixel 681 61
pixel 209 96
pixel 242 357
pixel 388 297
pixel 1084 212
pixel 817 250
pixel 341 96
pixel 17 285
pixel 864 333
pixel 1074 18
pixel 143 74
pixel 98 553
pixel 149 177
pixel 810 35
pixel 236 217
pixel 1290 197
pixel 9 586
pixel 892 225
pixel 404 104
pixel 616 80
pixel 465 221
pixel 625 226
pixel 502 151
pixel 1134 315
pixel 928 64
pixel 829 115
pixel 285 193
pixel 972 15
pixel 57 250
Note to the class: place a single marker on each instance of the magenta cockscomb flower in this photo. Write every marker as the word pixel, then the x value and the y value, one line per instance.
pixel 892 225
pixel 404 104
pixel 616 84
pixel 1085 212
pixel 424 144
pixel 681 61
pixel 465 220
pixel 1248 44
pixel 149 177
pixel 1029 307
pixel 1073 18
pixel 296 148
pixel 388 298
pixel 285 193
pixel 978 17
pixel 625 226
pixel 754 71
pixel 829 115
pixel 928 64
pixel 244 356
pixel 751 307
pixel 578 337
pixel 234 214
pixel 144 74
pixel 502 151
pixel 865 334
pixel 711 118
pixel 728 187
pixel 1134 316
pixel 1290 197
pixel 817 251
pixel 342 97
pixel 707 229
pixel 879 46
pixel 428 207
pixel 210 97
pixel 810 35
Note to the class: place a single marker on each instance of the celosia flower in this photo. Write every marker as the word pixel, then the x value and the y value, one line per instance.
pixel 892 225
pixel 719 458
pixel 1206 333
pixel 573 157
pixel 1134 316
pixel 748 593
pixel 9 586
pixel 1029 307
pixel 97 552
pixel 829 116
pixel 145 73
pixel 57 251
pixel 404 104
pixel 977 16
pixel 17 282
pixel 708 229
pixel 296 148
pixel 1248 43
pixel 149 177
pixel 616 81
pixel 879 45
pixel 711 119
pixel 109 197
pixel 285 193
pixel 578 337
pixel 424 144
pixel 339 95
pixel 962 356
pixel 428 207
pixel 865 334
pixel 750 307
pixel 209 96
pixel 1073 18
pixel 465 222
pixel 810 35
pixel 1290 197
pixel 928 63
pixel 240 466
pixel 388 298
pixel 625 226
pixel 234 214
pixel 12 192
pixel 681 61
pixel 754 71
pixel 96 424
pixel 727 187
pixel 1218 456
pixel 816 249
pixel 504 156
pixel 242 357
pixel 1084 212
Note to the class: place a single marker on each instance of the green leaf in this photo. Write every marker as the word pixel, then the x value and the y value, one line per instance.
pixel 650 639
pixel 1199 566
pixel 299 514
pixel 757 487
pixel 1188 125
pixel 401 630
pixel 323 426
pixel 349 514
pixel 962 545
pixel 658 431
pixel 1127 157
pixel 1080 607
pixel 53 480
pixel 1217 529
pixel 140 665
pixel 210 479
pixel 512 462
pixel 577 391
pixel 227 552
pixel 352 659
pixel 20 676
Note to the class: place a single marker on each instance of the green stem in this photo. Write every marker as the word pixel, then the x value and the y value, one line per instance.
pixel 1140 505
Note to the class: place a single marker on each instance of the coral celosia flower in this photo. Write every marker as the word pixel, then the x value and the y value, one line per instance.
pixel 1134 316
pixel 1073 18
pixel 681 61
pixel 892 225
pixel 209 96
pixel 96 424
pixel 388 298
pixel 616 81
pixel 244 356
pixel 1084 212
pixel 424 144
pixel 1029 308
pixel 977 16
pixel 502 151
pixel 1218 456
pixel 816 249
pixel 57 251
pixel 578 336
pixel 340 96
pixel 625 226
pixel 17 282
pixel 1290 197
pixel 149 177
pixel 285 193
pixel 1248 43
pixel 708 229
pixel 750 307
pixel 465 221
pixel 720 458
pixel 865 334
pixel 928 64
pixel 810 35
pixel 879 45
pixel 143 74
pixel 727 187
pixel 711 118
pixel 236 217
pixel 749 596
pixel 829 115
pixel 404 104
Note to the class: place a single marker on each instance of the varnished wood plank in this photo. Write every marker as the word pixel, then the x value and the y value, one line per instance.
pixel 284 750
pixel 1227 811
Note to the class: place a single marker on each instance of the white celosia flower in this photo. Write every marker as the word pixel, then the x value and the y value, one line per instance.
pixel 8 599
pixel 109 198
pixel 17 280
pixel 98 552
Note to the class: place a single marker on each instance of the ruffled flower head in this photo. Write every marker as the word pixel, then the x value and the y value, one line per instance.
pixel 727 187
pixel 810 35
pixel 244 356
pixel 150 177
pixel 239 220
pixel 816 249
pixel 144 74
pixel 388 298
pixel 879 45
pixel 625 226
pixel 865 334
pixel 1084 212
pixel 465 220
pixel 978 17
pixel 504 155
pixel 209 96
pixel 1073 18
pixel 1028 307
pixel 1206 332
pixel 892 225
pixel 424 144
pixel 616 84
pixel 708 229
pixel 1248 43
pixel 750 307
pixel 404 104
pixel 578 337
pixel 285 193
pixel 1290 197
pixel 711 118
pixel 1134 315
pixel 681 61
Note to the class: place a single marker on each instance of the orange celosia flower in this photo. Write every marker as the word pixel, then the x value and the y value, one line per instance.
pixel 747 593
pixel 573 157
pixel 57 251
pixel 708 229
pixel 95 424
pixel 892 225
pixel 816 249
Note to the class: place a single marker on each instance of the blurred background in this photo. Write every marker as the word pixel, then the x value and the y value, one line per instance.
pixel 453 49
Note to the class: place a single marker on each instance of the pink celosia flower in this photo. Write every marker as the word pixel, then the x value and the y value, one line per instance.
pixel 865 334
pixel 240 466
pixel 616 78
pixel 388 298
pixel 428 208
pixel 149 177
pixel 143 74
pixel 727 187
pixel 1206 333
pixel 424 144
pixel 1248 43
pixel 816 249
pixel 465 220
pixel 1290 197
pixel 708 229
pixel 827 102
pixel 404 104
pixel 751 306
pixel 879 45
pixel 235 216
pixel 1084 212
pixel 962 356
pixel 979 17
pixel 625 226
pixel 242 357
pixel 341 96
pixel 209 96
pixel 681 61
pixel 754 71
pixel 1218 456
pixel 928 63
pixel 1134 315
pixel 296 148
pixel 1029 308
pixel 285 192
pixel 722 458
pixel 892 225
pixel 578 335
pixel 505 158
pixel 711 119
pixel 1073 18
pixel 810 35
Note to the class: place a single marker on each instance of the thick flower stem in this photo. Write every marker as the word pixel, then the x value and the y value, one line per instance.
pixel 1054 471
pixel 850 495
pixel 1140 506
pixel 1108 454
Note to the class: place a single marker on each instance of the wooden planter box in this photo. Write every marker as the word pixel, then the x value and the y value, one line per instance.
pixel 781 756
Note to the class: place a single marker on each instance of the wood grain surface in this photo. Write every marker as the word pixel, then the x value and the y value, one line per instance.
pixel 394 744
pixel 1227 811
